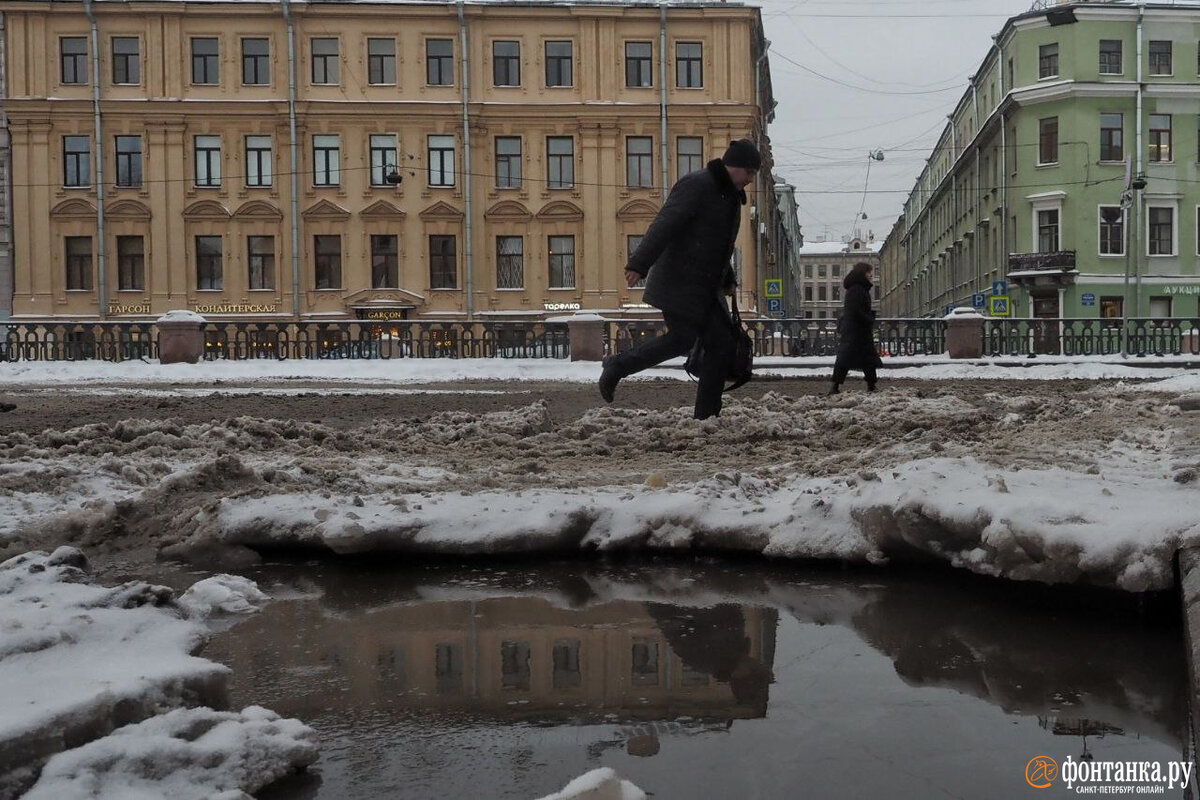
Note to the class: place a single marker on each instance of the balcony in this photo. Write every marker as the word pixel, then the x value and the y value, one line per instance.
pixel 1042 269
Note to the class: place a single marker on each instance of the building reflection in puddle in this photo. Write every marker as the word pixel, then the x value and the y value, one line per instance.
pixel 468 665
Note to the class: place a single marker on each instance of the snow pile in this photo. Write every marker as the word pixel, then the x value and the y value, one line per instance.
pixel 599 784
pixel 223 594
pixel 186 754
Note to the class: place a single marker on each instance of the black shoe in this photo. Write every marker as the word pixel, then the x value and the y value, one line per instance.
pixel 870 387
pixel 7 407
pixel 608 379
pixel 833 390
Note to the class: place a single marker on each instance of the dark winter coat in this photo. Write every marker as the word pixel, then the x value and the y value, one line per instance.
pixel 685 252
pixel 856 345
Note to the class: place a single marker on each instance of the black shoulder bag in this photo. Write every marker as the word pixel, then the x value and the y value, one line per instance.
pixel 740 368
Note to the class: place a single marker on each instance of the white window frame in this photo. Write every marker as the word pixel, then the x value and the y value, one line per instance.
pixel 445 176
pixel 1050 201
pixel 208 170
pixel 327 159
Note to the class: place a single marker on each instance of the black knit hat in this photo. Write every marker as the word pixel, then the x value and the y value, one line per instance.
pixel 742 153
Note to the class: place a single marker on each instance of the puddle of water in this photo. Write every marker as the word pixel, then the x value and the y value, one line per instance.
pixel 699 681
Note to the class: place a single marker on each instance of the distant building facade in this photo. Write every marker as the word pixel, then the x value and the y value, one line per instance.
pixel 167 157
pixel 1024 191
pixel 822 266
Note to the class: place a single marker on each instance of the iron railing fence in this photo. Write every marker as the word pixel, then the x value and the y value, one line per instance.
pixel 122 341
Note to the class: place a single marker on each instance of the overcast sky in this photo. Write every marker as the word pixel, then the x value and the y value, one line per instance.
pixel 852 77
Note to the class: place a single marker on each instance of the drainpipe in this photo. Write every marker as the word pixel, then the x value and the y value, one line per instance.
pixel 468 232
pixel 6 201
pixel 1137 200
pixel 1000 67
pixel 978 199
pixel 662 93
pixel 294 146
pixel 101 250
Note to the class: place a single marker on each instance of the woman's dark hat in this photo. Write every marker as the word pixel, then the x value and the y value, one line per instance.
pixel 742 153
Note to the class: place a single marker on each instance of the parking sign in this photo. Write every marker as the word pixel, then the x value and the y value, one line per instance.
pixel 978 300
pixel 774 306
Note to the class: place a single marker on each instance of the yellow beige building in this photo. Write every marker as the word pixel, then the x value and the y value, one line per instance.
pixel 327 161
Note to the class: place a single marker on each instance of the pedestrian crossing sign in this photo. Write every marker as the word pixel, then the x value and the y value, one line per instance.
pixel 1000 305
pixel 773 287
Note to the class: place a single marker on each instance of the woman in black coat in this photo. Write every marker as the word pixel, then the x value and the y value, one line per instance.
pixel 856 345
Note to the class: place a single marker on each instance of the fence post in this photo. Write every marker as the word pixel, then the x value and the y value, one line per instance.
pixel 180 337
pixel 964 333
pixel 586 335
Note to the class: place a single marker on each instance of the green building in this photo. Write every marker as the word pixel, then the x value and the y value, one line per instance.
pixel 1035 190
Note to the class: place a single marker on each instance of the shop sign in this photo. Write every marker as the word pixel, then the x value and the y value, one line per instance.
pixel 133 308
pixel 561 306
pixel 235 308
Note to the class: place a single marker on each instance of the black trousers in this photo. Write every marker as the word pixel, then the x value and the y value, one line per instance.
pixel 716 336
pixel 840 369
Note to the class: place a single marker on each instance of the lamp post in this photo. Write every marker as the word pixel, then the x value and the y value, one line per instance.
pixel 1128 215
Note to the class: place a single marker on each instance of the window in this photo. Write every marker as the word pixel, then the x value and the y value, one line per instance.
pixel 1048 60
pixel 821 273
pixel 1160 58
pixel 639 161
pixel 835 270
pixel 808 293
pixel 206 66
pixel 562 262
pixel 1047 230
pixel 560 158
pixel 79 263
pixel 131 264
pixel 439 62
pixel 443 263
pixel 327 158
pixel 385 264
pixel 383 158
pixel 208 263
pixel 639 64
pixel 508 162
pixel 448 668
pixel 643 670
pixel 325 61
pixel 689 65
pixel 1048 140
pixel 73 55
pixel 632 243
pixel 514 665
pixel 1160 137
pixel 129 161
pixel 441 160
pixel 808 272
pixel 1112 307
pixel 208 160
pixel 559 63
pixel 1112 137
pixel 1161 240
pixel 77 157
pixel 837 293
pixel 256 62
pixel 689 150
pixel 381 61
pixel 259 170
pixel 261 252
pixel 1112 231
pixel 1110 57
pixel 126 60
pixel 1160 307
pixel 327 262
pixel 822 293
pixel 510 262
pixel 565 658
pixel 506 63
